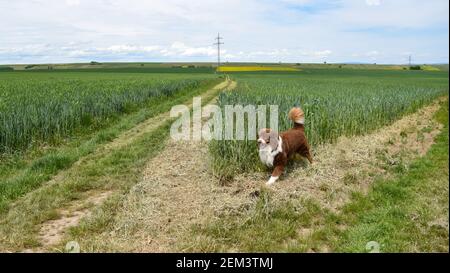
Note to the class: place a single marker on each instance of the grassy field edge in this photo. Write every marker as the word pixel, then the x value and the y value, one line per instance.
pixel 114 172
pixel 407 212
pixel 25 175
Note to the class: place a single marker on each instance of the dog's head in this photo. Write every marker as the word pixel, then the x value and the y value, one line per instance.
pixel 267 137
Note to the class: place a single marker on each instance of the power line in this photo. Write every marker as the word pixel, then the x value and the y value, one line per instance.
pixel 218 43
pixel 409 60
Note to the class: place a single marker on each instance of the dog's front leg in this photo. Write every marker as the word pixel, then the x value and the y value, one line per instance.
pixel 275 174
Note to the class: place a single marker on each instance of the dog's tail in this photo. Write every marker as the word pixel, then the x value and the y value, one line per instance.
pixel 297 115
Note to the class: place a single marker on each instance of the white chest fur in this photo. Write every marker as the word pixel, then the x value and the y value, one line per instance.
pixel 267 155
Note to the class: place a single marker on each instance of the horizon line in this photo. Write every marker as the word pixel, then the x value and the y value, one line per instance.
pixel 215 63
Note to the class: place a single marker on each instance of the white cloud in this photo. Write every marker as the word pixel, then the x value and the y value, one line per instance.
pixel 78 53
pixel 129 49
pixel 181 49
pixel 253 30
pixel 297 2
pixel 72 2
pixel 73 50
pixel 321 54
pixel 373 2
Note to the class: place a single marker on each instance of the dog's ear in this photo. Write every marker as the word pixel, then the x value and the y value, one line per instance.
pixel 261 132
pixel 273 139
pixel 264 132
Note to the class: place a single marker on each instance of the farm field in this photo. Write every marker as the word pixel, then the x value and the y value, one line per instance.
pixel 256 68
pixel 38 107
pixel 51 120
pixel 87 157
pixel 205 67
pixel 336 103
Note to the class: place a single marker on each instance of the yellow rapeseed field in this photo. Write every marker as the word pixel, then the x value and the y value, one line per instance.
pixel 255 68
pixel 430 68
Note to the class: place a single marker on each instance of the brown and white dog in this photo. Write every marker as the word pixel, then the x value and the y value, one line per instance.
pixel 276 149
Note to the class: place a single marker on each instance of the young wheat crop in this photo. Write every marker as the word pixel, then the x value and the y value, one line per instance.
pixel 334 104
pixel 37 107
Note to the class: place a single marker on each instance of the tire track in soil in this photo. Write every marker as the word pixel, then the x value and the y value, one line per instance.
pixel 52 231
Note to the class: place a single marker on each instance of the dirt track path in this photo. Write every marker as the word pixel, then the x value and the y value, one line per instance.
pixel 178 191
pixel 51 232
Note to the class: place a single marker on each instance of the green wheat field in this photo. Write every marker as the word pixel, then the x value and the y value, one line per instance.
pixel 78 138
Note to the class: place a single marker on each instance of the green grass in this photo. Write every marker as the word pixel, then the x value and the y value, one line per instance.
pixel 407 213
pixel 44 107
pixel 115 170
pixel 103 217
pixel 336 102
pixel 22 173
pixel 266 228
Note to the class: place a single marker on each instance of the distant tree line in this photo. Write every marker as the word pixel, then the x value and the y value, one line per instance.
pixel 6 68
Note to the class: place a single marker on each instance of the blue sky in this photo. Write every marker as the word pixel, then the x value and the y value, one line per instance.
pixel 381 31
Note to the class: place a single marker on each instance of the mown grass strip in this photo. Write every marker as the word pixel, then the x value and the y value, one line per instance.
pixel 114 171
pixel 103 217
pixel 408 213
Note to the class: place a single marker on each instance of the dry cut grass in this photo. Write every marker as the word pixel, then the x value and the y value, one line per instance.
pixel 178 191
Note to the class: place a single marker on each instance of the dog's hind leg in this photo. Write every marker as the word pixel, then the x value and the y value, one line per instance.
pixel 306 152
pixel 309 157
